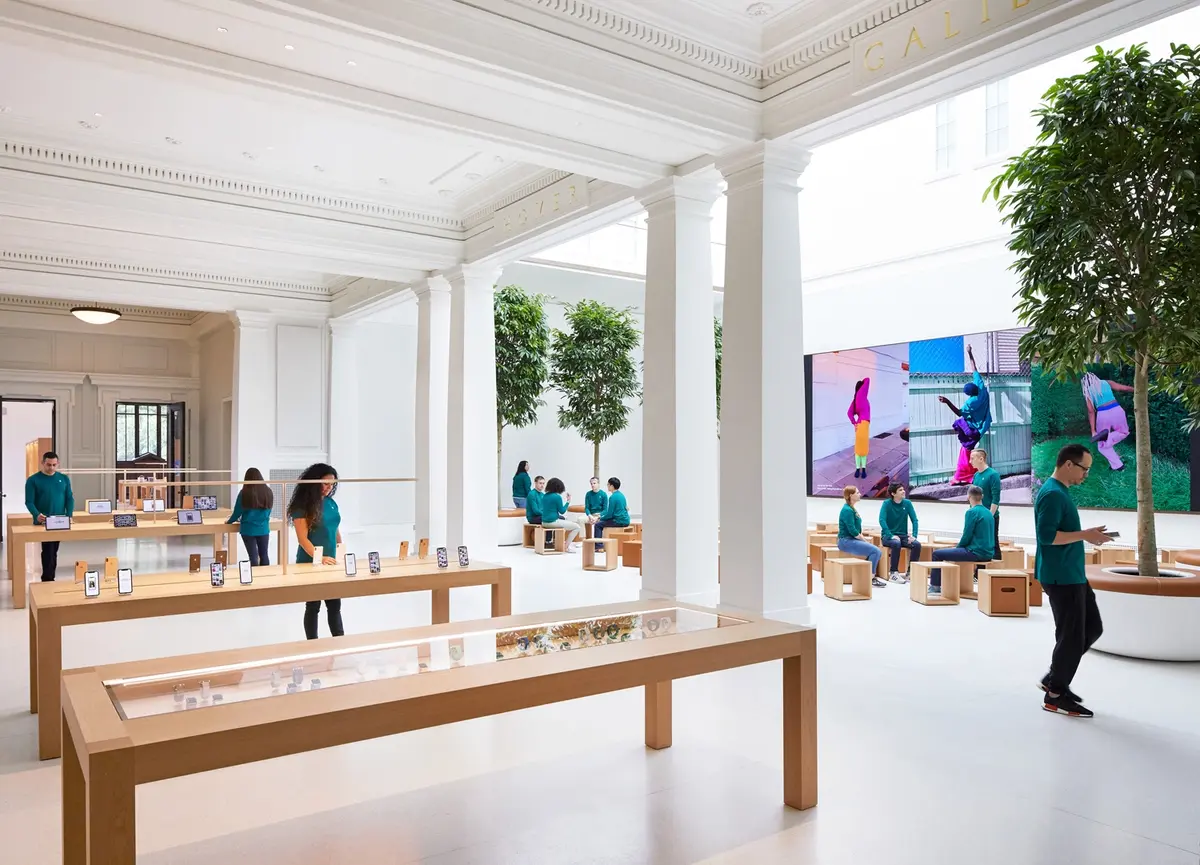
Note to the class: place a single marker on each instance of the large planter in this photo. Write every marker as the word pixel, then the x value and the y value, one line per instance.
pixel 1148 617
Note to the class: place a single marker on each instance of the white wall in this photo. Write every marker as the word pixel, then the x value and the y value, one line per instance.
pixel 216 394
pixel 21 423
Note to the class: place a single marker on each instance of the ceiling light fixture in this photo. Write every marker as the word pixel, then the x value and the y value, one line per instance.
pixel 4 109
pixel 289 47
pixel 351 63
pixel 222 29
pixel 383 181
pixel 97 114
pixel 759 10
pixel 171 140
pixel 95 314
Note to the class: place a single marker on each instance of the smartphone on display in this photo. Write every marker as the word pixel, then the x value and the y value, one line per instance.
pixel 125 581
pixel 463 560
pixel 245 577
pixel 373 562
pixel 443 557
pixel 125 521
pixel 216 574
pixel 91 584
pixel 351 565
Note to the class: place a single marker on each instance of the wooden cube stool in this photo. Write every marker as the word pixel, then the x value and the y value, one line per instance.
pixel 856 572
pixel 621 534
pixel 608 546
pixel 631 555
pixel 527 535
pixel 1003 593
pixel 558 536
pixel 918 587
pixel 827 553
pixel 1013 558
pixel 1035 590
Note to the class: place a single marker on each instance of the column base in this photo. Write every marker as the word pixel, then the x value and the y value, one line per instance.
pixel 700 599
pixel 792 615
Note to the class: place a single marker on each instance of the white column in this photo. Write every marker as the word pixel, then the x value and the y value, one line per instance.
pixel 345 414
pixel 253 434
pixel 471 414
pixel 763 441
pixel 433 382
pixel 679 438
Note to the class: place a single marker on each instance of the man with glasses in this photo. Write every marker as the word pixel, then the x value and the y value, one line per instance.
pixel 1060 568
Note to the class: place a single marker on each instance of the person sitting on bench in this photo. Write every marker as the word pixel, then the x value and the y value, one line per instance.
pixel 533 501
pixel 894 516
pixel 976 543
pixel 616 512
pixel 851 539
pixel 554 509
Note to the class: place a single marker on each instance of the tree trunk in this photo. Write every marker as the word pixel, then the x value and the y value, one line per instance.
pixel 1147 544
pixel 499 462
pixel 596 459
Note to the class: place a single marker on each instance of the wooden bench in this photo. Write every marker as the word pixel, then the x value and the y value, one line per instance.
pixel 108 751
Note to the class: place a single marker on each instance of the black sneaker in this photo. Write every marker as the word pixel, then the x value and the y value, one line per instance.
pixel 1068 693
pixel 1066 706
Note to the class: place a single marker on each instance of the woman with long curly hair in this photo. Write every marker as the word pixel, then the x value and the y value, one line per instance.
pixel 317 520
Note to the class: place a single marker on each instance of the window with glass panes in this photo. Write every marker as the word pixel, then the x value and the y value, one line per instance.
pixel 143 428
pixel 996 117
pixel 944 145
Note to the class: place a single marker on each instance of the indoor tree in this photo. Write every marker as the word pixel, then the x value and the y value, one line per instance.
pixel 1104 214
pixel 522 343
pixel 592 367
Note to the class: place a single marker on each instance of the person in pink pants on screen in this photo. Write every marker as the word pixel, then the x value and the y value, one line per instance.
pixel 1109 422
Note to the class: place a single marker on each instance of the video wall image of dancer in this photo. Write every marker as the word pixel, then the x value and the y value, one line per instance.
pixel 858 432
pixel 1096 410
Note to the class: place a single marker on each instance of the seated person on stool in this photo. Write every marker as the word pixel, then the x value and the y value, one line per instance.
pixel 976 543
pixel 616 512
pixel 554 507
pixel 594 502
pixel 533 501
pixel 894 516
pixel 850 535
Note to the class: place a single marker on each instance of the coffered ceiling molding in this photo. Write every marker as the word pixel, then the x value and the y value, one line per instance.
pixel 49 306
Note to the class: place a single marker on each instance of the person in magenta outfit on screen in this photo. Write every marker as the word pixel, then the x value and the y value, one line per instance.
pixel 860 416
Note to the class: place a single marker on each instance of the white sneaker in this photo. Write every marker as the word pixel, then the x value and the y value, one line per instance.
pixel 896 577
pixel 574 548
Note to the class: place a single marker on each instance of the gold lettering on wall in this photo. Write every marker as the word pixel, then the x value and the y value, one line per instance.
pixel 1017 4
pixel 986 16
pixel 872 67
pixel 950 27
pixel 914 36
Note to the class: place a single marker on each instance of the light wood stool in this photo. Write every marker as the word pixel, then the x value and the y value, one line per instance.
pixel 631 555
pixel 827 553
pixel 608 546
pixel 1012 558
pixel 558 536
pixel 856 572
pixel 621 534
pixel 918 587
pixel 527 535
pixel 1003 593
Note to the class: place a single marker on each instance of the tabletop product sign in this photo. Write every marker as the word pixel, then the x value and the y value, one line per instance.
pixel 245 574
pixel 58 523
pixel 205 503
pixel 124 521
pixel 463 559
pixel 125 581
pixel 443 558
pixel 194 563
pixel 99 506
pixel 91 584
pixel 189 518
pixel 373 562
pixel 351 564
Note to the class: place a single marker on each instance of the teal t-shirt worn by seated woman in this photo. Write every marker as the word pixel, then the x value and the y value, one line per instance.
pixel 322 533
pixel 849 523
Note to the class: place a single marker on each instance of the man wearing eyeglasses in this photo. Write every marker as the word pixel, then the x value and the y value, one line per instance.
pixel 1060 568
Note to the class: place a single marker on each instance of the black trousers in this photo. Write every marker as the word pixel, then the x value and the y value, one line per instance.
pixel 258 549
pixel 312 611
pixel 1077 626
pixel 49 560
pixel 996 543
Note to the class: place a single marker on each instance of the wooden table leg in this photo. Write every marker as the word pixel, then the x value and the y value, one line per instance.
pixel 111 829
pixel 33 658
pixel 800 727
pixel 441 606
pixel 19 576
pixel 281 552
pixel 49 674
pixel 658 715
pixel 74 803
pixel 502 598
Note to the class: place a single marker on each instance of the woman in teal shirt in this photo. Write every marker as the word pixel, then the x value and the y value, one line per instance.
pixel 317 520
pixel 554 508
pixel 851 539
pixel 521 484
pixel 252 512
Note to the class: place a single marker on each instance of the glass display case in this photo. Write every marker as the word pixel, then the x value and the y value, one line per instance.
pixel 188 690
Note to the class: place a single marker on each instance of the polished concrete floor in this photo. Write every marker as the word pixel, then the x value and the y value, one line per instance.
pixel 933 749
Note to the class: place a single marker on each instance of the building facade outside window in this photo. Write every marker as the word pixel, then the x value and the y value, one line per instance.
pixel 944 145
pixel 996 117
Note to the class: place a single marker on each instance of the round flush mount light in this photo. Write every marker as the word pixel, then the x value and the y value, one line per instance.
pixel 351 63
pixel 248 155
pixel 759 10
pixel 289 47
pixel 222 29
pixel 383 181
pixel 171 140
pixel 95 314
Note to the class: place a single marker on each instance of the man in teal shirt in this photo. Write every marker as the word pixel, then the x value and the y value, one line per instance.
pixel 894 516
pixel 616 512
pixel 975 545
pixel 533 502
pixel 988 480
pixel 1061 569
pixel 48 494
pixel 595 502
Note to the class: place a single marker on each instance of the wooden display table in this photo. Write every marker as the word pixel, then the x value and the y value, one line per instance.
pixel 148 527
pixel 108 750
pixel 54 606
pixel 918 586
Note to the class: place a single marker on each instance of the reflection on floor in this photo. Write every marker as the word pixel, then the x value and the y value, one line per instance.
pixel 933 750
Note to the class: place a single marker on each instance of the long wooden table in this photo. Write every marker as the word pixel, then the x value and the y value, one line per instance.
pixel 24 519
pixel 148 527
pixel 54 606
pixel 129 732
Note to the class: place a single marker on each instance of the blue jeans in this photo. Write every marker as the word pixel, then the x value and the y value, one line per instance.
pixel 519 503
pixel 601 525
pixel 863 550
pixel 954 554
pixel 895 542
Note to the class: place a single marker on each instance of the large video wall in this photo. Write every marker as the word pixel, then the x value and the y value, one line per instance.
pixel 910 413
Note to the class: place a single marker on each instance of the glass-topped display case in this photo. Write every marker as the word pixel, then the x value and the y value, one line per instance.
pixel 187 690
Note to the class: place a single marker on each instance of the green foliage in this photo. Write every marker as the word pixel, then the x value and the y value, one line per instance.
pixel 718 338
pixel 522 343
pixel 1105 488
pixel 1104 210
pixel 592 367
